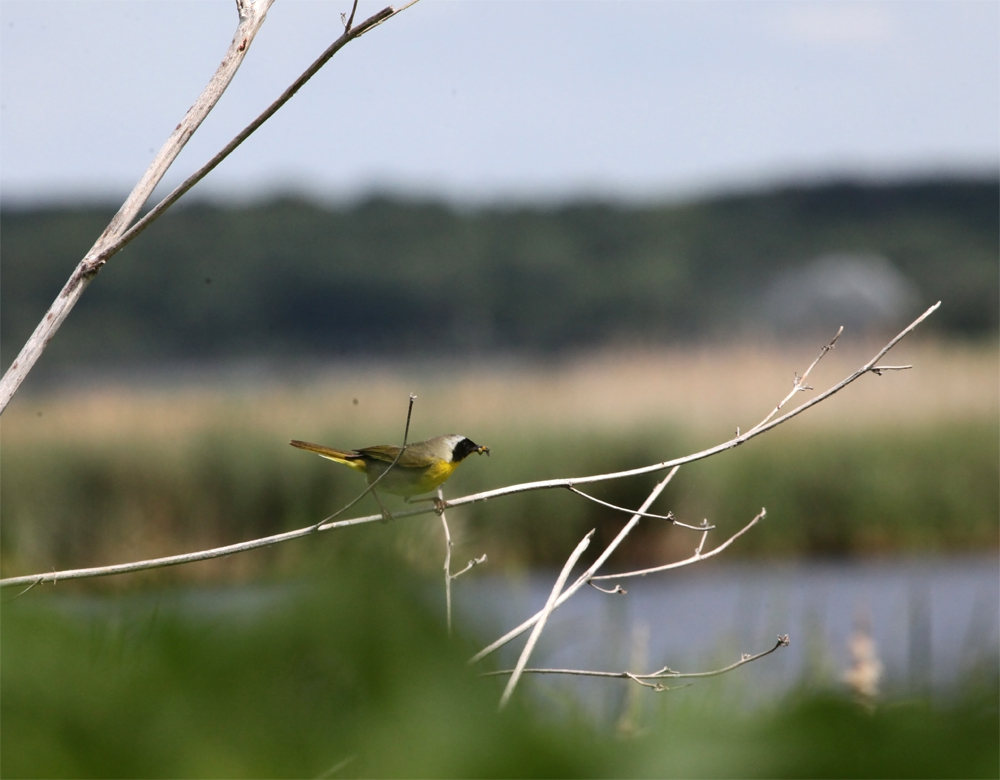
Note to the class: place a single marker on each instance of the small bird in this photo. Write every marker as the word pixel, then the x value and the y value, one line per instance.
pixel 420 469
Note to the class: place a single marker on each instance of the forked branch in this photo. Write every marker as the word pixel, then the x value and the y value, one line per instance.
pixel 696 558
pixel 118 234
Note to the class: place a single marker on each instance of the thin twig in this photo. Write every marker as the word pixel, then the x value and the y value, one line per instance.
pixel 616 590
pixel 663 674
pixel 33 584
pixel 704 538
pixel 349 23
pixel 543 617
pixel 447 562
pixel 470 565
pixel 669 517
pixel 698 555
pixel 799 383
pixel 218 552
pixel 877 370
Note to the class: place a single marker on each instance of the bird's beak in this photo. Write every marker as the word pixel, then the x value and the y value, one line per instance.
pixel 484 450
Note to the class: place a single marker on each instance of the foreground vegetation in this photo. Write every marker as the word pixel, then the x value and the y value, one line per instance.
pixel 342 672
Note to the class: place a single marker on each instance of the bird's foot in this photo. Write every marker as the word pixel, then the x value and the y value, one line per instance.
pixel 386 516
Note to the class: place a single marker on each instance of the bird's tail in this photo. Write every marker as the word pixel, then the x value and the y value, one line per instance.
pixel 347 457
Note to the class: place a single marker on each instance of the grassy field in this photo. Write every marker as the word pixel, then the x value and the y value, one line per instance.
pixel 111 472
pixel 317 658
pixel 343 673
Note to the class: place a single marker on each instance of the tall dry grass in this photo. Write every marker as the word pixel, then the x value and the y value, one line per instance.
pixel 708 391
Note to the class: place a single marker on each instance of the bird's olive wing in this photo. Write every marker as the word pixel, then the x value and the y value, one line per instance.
pixel 411 459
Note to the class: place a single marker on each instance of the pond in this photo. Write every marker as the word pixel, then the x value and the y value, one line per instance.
pixel 933 620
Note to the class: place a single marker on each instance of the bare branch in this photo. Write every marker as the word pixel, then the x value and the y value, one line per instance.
pixel 118 234
pixel 669 517
pixel 728 445
pixel 663 674
pixel 201 173
pixel 252 16
pixel 584 578
pixel 543 617
pixel 799 383
pixel 588 577
pixel 698 555
pixel 447 562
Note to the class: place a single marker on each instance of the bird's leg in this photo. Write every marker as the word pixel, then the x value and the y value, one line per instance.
pixel 386 516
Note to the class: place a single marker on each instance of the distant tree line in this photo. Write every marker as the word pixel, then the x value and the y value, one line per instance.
pixel 390 276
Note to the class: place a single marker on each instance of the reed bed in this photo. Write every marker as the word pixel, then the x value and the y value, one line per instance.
pixel 118 470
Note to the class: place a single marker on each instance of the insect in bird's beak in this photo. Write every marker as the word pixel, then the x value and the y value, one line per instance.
pixel 484 450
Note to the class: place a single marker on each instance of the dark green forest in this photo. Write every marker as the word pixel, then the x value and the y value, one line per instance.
pixel 387 276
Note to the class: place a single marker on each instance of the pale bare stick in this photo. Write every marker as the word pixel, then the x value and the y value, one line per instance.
pixel 218 552
pixel 447 562
pixel 118 234
pixel 543 617
pixel 448 576
pixel 371 485
pixel 251 17
pixel 698 555
pixel 669 517
pixel 349 35
pixel 584 578
pixel 665 673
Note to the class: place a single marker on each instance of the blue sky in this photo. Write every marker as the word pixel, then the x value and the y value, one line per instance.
pixel 484 101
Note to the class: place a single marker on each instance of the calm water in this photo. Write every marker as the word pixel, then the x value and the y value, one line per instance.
pixel 932 620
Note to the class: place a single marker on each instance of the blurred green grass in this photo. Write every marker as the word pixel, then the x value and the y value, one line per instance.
pixel 345 663
pixel 922 488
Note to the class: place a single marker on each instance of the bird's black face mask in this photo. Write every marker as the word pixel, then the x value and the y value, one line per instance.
pixel 465 448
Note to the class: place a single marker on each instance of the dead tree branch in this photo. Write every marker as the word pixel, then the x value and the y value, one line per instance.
pixel 118 234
